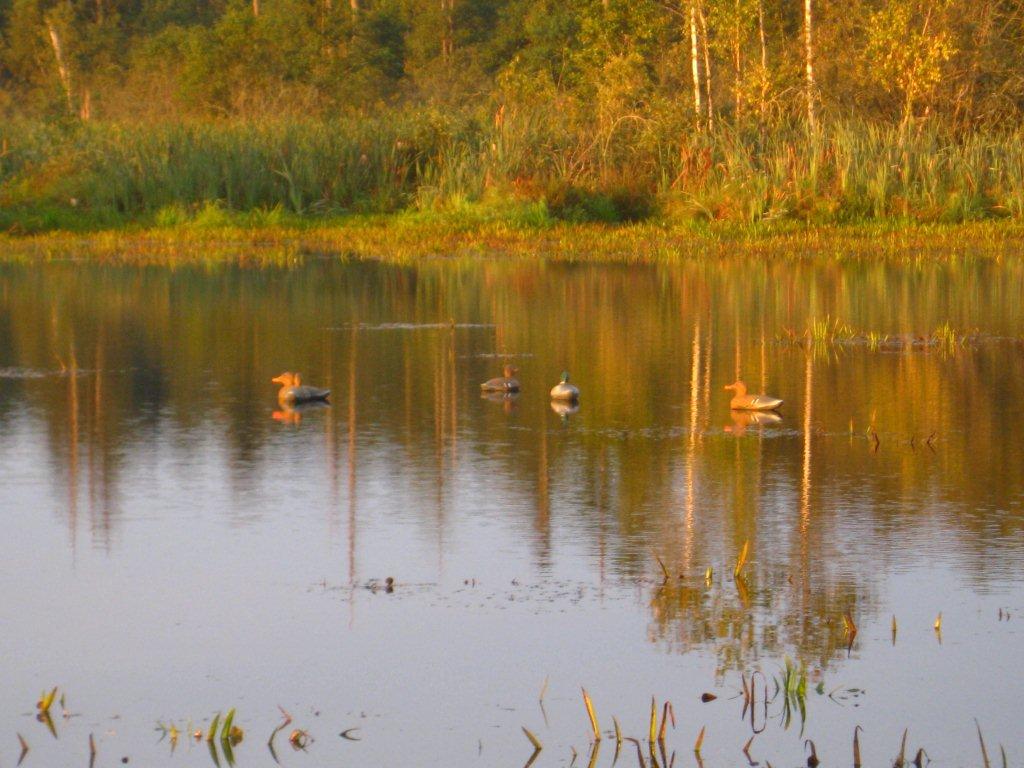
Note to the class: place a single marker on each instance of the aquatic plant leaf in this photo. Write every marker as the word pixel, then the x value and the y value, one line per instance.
pixel 590 714
pixel 212 733
pixel 533 739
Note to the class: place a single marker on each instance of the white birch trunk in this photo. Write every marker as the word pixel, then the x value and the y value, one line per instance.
pixel 738 63
pixel 695 64
pixel 812 90
pixel 762 107
pixel 62 66
pixel 707 67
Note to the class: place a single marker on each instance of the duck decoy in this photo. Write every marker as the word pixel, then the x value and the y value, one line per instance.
pixel 506 383
pixel 294 391
pixel 563 390
pixel 741 401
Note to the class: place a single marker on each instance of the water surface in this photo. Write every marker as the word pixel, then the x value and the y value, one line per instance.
pixel 176 544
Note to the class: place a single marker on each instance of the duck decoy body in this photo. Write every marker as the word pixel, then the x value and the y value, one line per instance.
pixel 741 401
pixel 563 390
pixel 506 383
pixel 293 391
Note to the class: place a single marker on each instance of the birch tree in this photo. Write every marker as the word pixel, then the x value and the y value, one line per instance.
pixel 810 85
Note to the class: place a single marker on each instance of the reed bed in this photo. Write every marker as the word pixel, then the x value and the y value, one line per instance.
pixel 520 169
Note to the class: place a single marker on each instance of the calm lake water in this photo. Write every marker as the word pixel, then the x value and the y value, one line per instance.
pixel 177 545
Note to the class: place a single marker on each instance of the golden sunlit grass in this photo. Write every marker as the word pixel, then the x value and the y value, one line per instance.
pixel 404 240
pixel 834 332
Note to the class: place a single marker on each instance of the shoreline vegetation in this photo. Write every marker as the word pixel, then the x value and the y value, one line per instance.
pixel 404 238
pixel 425 185
pixel 525 123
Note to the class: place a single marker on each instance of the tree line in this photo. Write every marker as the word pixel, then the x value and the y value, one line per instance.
pixel 603 62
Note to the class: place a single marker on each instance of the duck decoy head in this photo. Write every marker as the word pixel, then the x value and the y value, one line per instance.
pixel 565 377
pixel 510 371
pixel 738 387
pixel 286 379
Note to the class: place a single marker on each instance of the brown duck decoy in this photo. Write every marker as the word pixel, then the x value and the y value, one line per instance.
pixel 506 383
pixel 293 391
pixel 741 401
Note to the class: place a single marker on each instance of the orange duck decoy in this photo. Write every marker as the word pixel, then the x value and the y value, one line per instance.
pixel 293 391
pixel 506 383
pixel 741 401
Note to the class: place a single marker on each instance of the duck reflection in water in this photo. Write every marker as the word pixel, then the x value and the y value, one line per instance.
pixel 743 419
pixel 292 414
pixel 507 399
pixel 565 408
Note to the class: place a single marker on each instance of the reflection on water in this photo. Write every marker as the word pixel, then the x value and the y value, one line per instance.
pixel 133 400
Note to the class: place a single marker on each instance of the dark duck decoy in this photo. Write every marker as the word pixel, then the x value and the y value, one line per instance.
pixel 565 391
pixel 294 392
pixel 741 401
pixel 506 383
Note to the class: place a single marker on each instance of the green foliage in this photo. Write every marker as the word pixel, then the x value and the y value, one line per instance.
pixel 910 47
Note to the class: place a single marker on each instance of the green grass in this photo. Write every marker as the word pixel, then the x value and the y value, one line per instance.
pixel 525 172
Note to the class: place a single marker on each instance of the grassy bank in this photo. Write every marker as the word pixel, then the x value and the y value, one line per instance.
pixel 405 237
pixel 521 171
